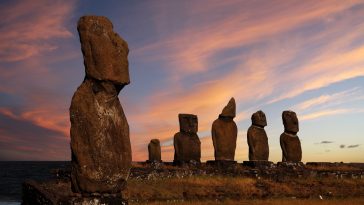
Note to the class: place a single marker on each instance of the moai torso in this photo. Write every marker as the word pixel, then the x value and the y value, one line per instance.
pixel 290 143
pixel 100 144
pixel 257 138
pixel 187 145
pixel 154 151
pixel 224 133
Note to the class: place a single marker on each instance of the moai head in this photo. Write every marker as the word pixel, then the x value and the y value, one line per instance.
pixel 290 121
pixel 188 123
pixel 104 52
pixel 229 110
pixel 259 119
pixel 155 142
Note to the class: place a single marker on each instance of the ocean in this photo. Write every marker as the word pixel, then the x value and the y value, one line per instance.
pixel 14 173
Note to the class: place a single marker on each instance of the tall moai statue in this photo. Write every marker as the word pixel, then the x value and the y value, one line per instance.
pixel 187 145
pixel 224 133
pixel 154 151
pixel 257 137
pixel 290 143
pixel 100 144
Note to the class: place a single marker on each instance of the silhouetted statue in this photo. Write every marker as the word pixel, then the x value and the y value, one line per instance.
pixel 224 133
pixel 187 145
pixel 100 144
pixel 290 143
pixel 154 151
pixel 257 137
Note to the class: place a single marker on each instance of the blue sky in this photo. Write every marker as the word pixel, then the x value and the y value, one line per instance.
pixel 190 57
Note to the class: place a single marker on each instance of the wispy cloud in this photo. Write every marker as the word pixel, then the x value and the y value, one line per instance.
pixel 334 99
pixel 29 26
pixel 253 60
pixel 258 53
pixel 326 142
pixel 353 146
pixel 330 112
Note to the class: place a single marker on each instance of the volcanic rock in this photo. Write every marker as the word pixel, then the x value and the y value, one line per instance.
pixel 290 143
pixel 224 133
pixel 257 137
pixel 230 109
pixel 105 52
pixel 154 151
pixel 187 145
pixel 100 144
pixel 290 122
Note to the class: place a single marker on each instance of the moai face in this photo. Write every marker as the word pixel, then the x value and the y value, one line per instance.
pixel 105 53
pixel 290 122
pixel 259 119
pixel 188 123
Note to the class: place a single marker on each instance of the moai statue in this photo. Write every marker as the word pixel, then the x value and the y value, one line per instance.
pixel 257 137
pixel 187 145
pixel 290 143
pixel 154 151
pixel 224 133
pixel 100 144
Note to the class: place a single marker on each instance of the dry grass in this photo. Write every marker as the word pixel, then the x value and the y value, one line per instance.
pixel 339 167
pixel 351 201
pixel 212 188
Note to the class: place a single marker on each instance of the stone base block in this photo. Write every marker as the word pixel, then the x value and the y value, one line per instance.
pixel 258 164
pixel 153 161
pixel 221 163
pixel 60 193
pixel 290 164
pixel 186 163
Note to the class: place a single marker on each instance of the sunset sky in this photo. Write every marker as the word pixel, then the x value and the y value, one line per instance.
pixel 190 57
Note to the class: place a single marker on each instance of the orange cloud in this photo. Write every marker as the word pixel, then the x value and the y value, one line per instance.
pixel 325 113
pixel 334 99
pixel 196 46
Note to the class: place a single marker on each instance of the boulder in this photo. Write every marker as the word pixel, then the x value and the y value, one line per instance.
pixel 100 144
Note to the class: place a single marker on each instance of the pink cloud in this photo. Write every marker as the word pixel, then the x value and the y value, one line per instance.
pixel 28 27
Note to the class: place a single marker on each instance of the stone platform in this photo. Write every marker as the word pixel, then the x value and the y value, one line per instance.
pixel 290 164
pixel 186 163
pixel 59 193
pixel 259 164
pixel 221 163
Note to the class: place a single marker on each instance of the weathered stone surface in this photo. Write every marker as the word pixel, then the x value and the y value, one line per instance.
pixel 230 109
pixel 224 133
pixel 60 193
pixel 105 53
pixel 257 137
pixel 188 123
pixel 100 144
pixel 221 163
pixel 261 164
pixel 259 119
pixel 187 145
pixel 290 143
pixel 154 151
pixel 291 148
pixel 290 122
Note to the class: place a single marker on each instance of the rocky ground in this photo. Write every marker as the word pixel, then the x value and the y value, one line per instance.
pixel 211 184
pixel 313 183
